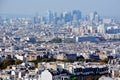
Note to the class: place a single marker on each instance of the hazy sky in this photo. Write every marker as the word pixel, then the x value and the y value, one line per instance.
pixel 30 7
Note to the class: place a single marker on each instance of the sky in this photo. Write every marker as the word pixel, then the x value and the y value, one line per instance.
pixel 30 7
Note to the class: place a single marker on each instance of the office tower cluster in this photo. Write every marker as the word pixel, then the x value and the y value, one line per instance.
pixel 73 23
pixel 52 17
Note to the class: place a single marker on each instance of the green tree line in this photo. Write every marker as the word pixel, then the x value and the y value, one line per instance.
pixel 9 61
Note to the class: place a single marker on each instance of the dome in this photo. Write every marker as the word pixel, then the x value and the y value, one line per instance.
pixel 105 78
pixel 46 75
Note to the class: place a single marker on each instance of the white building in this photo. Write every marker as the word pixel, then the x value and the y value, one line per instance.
pixel 46 75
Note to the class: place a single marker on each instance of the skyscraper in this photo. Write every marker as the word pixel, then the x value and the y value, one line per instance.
pixel 54 18
pixel 92 16
pixel 36 19
pixel 76 15
pixel 67 16
pixel 96 19
pixel 49 16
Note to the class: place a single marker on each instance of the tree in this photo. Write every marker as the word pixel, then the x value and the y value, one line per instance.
pixel 105 60
pixel 56 40
pixel 96 78
pixel 0 65
pixel 89 79
pixel 17 61
pixel 70 41
pixel 7 62
pixel 74 78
